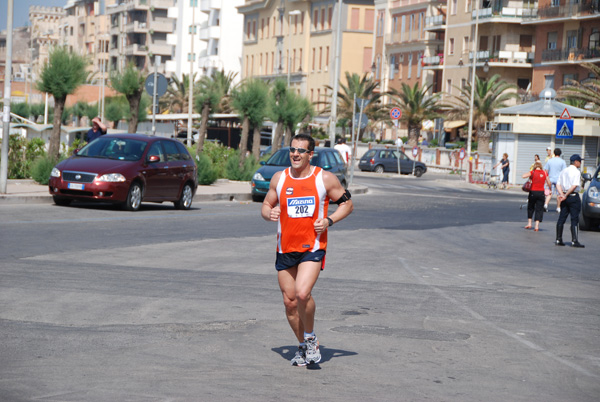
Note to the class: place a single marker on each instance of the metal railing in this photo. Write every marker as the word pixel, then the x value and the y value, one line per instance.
pixel 570 54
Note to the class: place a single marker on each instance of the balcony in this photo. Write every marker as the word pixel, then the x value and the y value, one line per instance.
pixel 507 57
pixel 567 11
pixel 433 61
pixel 207 5
pixel 136 50
pixel 435 23
pixel 161 25
pixel 569 55
pixel 160 49
pixel 507 14
pixel 136 27
pixel 212 32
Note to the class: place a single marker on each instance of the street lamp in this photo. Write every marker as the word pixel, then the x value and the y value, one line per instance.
pixel 336 76
pixel 470 136
pixel 294 12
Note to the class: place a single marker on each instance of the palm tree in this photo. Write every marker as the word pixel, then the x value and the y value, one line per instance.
pixel 416 106
pixel 177 95
pixel 61 75
pixel 490 95
pixel 588 91
pixel 277 111
pixel 131 84
pixel 209 97
pixel 364 87
pixel 250 101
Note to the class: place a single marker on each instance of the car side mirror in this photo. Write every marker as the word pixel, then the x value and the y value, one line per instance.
pixel 586 177
pixel 263 163
pixel 75 151
pixel 153 158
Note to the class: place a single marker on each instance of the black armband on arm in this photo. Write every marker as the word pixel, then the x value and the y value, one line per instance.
pixel 343 198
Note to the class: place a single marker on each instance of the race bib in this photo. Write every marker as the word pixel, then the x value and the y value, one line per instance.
pixel 301 207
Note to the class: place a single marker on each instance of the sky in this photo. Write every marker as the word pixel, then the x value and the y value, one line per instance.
pixel 21 10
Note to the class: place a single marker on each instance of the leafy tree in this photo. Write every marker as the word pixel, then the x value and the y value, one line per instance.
pixel 416 106
pixel 250 101
pixel 92 111
pixel 22 109
pixel 490 95
pixel 364 87
pixel 80 109
pixel 37 110
pixel 114 113
pixel 61 75
pixel 131 84
pixel 587 91
pixel 209 96
pixel 299 109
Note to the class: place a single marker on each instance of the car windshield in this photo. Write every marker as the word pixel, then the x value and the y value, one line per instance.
pixel 282 158
pixel 108 147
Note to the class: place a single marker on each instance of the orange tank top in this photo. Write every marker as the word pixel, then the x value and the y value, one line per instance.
pixel 302 202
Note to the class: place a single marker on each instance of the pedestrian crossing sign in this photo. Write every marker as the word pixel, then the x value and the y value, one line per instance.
pixel 564 128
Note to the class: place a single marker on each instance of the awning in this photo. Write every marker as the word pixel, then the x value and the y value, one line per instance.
pixel 449 125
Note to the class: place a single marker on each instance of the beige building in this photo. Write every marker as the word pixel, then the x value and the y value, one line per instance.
pixel 296 41
pixel 45 33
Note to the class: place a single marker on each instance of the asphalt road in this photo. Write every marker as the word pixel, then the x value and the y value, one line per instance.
pixel 433 291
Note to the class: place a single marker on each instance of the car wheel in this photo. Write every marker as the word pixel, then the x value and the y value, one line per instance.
pixel 586 223
pixel 418 172
pixel 379 169
pixel 63 202
pixel 187 195
pixel 134 197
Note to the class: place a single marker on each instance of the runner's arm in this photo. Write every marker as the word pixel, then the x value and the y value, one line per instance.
pixel 335 191
pixel 270 210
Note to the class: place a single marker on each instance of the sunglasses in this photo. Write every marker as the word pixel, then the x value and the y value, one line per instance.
pixel 300 150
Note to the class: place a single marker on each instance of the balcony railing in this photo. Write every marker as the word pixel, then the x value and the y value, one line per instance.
pixel 506 12
pixel 568 10
pixel 435 21
pixel 507 56
pixel 570 54
pixel 433 61
pixel 207 5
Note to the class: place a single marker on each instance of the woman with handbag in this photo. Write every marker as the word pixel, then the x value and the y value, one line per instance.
pixel 535 201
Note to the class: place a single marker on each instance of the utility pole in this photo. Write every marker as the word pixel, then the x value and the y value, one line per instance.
pixel 191 77
pixel 336 77
pixel 7 91
pixel 474 66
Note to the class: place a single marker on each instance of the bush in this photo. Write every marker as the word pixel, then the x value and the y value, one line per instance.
pixel 41 168
pixel 207 174
pixel 21 154
pixel 245 173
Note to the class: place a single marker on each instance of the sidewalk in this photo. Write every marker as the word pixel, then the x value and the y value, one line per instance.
pixel 29 192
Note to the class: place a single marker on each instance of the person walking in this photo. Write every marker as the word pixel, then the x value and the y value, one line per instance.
pixel 549 154
pixel 505 166
pixel 298 199
pixel 344 150
pixel 568 186
pixel 535 201
pixel 553 167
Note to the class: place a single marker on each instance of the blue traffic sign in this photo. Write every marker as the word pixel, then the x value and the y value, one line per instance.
pixel 564 128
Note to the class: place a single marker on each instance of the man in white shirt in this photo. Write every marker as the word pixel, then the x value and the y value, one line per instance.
pixel 399 142
pixel 344 149
pixel 568 186
pixel 553 167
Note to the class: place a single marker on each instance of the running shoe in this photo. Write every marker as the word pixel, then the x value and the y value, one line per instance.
pixel 300 358
pixel 313 354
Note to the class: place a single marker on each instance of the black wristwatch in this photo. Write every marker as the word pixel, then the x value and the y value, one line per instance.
pixel 330 221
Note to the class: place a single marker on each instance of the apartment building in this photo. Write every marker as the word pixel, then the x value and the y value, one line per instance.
pixel 567 33
pixel 85 28
pixel 296 41
pixel 45 33
pixel 405 37
pixel 138 32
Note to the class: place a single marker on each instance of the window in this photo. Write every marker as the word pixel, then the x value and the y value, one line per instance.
pixel 320 58
pixel 549 80
pixel 568 78
pixel 411 26
pixel 267 63
pixel 380 20
pixel 262 28
pixel 354 19
pixel 267 29
pixel 463 83
pixel 327 58
pixel 419 57
pixel 594 39
pixel 369 20
pixel 402 28
pixel 555 3
pixel 394 24
pixel 410 57
pixel 451 46
pixel 314 57
pixel 316 20
pixel 465 46
pixel 392 64
pixel 449 87
pixel 323 19
pixel 571 39
pixel 453 7
pixel 552 38
pixel 329 17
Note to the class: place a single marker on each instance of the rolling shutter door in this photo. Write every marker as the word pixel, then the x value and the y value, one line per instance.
pixel 591 154
pixel 569 147
pixel 528 146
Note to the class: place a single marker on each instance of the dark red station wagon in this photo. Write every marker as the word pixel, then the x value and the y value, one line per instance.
pixel 127 169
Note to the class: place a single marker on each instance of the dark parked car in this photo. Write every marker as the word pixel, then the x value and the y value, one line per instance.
pixel 327 158
pixel 590 203
pixel 127 169
pixel 381 160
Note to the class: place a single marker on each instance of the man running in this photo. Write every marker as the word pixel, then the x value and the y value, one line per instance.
pixel 298 198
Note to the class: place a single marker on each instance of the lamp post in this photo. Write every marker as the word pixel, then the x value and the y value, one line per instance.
pixel 473 64
pixel 191 79
pixel 336 76
pixel 294 12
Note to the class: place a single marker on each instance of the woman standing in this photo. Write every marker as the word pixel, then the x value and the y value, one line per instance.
pixel 505 166
pixel 535 202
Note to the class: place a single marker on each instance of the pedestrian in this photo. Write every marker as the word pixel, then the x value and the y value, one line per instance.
pixel 399 143
pixel 535 159
pixel 568 186
pixel 549 154
pixel 343 149
pixel 505 166
pixel 553 167
pixel 97 130
pixel 298 198
pixel 535 201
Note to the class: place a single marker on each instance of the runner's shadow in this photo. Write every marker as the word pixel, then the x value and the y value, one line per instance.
pixel 287 352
